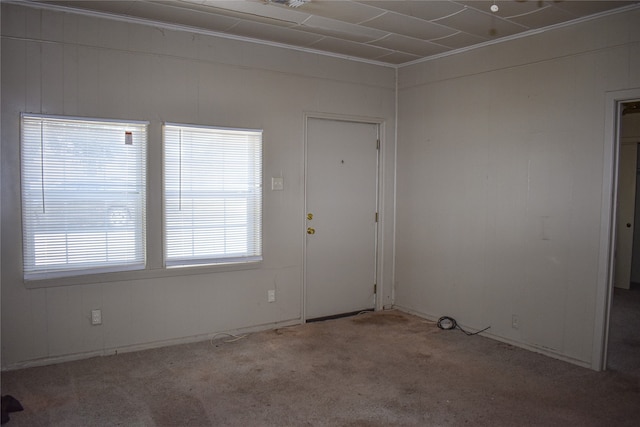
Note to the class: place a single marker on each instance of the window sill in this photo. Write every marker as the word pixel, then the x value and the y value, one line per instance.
pixel 124 276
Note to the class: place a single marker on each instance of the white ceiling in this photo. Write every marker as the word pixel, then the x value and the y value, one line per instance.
pixel 391 32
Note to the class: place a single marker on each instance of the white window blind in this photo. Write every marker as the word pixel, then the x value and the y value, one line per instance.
pixel 83 195
pixel 212 195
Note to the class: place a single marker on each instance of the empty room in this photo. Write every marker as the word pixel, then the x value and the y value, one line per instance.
pixel 308 212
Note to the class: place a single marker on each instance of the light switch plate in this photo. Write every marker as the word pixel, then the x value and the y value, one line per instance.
pixel 277 183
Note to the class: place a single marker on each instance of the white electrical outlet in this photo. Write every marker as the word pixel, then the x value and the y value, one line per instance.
pixel 515 322
pixel 277 183
pixel 271 295
pixel 96 317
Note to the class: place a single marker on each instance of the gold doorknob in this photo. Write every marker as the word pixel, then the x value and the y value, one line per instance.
pixel 311 230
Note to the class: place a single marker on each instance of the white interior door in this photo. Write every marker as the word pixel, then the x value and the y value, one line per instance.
pixel 625 214
pixel 341 201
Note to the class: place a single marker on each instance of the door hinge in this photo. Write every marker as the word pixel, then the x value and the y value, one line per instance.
pixel 377 144
pixel 375 288
pixel 376 216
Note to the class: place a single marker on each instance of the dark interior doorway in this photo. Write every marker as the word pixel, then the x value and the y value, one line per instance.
pixel 623 353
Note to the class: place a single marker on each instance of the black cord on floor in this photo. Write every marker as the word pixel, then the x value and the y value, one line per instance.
pixel 448 323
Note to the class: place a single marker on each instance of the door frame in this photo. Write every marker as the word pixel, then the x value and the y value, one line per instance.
pixel 606 262
pixel 380 123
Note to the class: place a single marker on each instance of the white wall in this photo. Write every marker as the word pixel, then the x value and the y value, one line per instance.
pixel 69 64
pixel 500 176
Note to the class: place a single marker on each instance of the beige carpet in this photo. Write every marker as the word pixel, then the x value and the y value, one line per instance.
pixel 375 369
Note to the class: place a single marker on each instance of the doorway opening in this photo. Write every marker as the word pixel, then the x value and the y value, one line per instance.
pixel 606 261
pixel 623 349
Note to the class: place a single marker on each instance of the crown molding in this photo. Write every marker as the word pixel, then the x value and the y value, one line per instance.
pixel 524 34
pixel 186 28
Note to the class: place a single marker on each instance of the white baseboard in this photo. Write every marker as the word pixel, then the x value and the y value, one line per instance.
pixel 145 346
pixel 530 347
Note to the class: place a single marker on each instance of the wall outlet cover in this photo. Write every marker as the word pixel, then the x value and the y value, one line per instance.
pixel 96 317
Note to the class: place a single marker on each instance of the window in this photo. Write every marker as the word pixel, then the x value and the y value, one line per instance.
pixel 83 195
pixel 212 195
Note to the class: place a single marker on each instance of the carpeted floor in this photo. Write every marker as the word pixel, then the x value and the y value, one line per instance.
pixel 624 332
pixel 375 369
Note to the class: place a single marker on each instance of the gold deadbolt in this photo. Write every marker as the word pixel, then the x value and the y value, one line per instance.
pixel 311 230
pixel 309 216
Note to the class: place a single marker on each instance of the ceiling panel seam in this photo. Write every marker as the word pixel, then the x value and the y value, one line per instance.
pixel 403 53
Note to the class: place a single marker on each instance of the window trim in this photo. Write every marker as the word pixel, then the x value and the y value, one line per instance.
pixel 132 275
pixel 155 268
pixel 224 263
pixel 55 276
